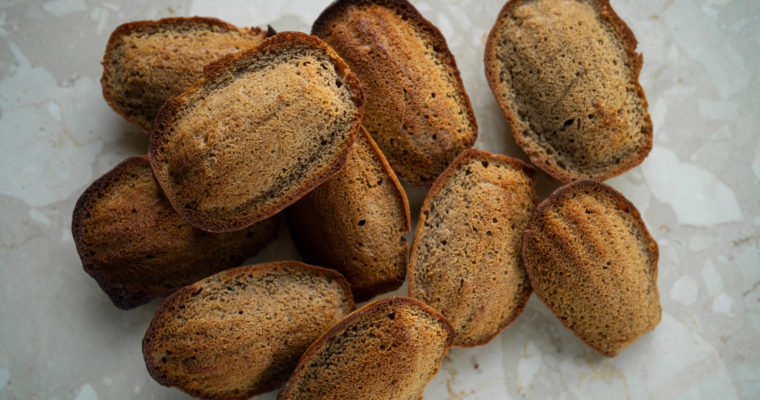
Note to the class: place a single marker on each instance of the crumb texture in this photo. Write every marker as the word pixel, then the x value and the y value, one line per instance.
pixel 148 62
pixel 355 221
pixel 258 133
pixel 241 332
pixel 389 349
pixel 466 257
pixel 417 109
pixel 565 72
pixel 592 261
pixel 137 247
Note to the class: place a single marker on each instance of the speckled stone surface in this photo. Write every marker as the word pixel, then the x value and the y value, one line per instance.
pixel 699 193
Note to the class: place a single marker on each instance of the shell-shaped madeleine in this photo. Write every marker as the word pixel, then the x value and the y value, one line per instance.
pixel 418 111
pixel 566 75
pixel 240 332
pixel 466 256
pixel 259 131
pixel 355 221
pixel 137 247
pixel 388 349
pixel 592 261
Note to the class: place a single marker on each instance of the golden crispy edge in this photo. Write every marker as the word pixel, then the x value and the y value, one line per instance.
pixel 469 154
pixel 168 113
pixel 181 295
pixel 606 13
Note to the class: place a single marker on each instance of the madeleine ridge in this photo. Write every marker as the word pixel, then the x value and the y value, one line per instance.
pixel 133 243
pixel 240 332
pixel 592 261
pixel 259 131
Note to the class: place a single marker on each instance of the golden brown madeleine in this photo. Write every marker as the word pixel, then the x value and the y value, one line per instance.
pixel 417 109
pixel 137 247
pixel 566 75
pixel 240 332
pixel 148 62
pixel 591 260
pixel 355 223
pixel 259 131
pixel 466 255
pixel 389 349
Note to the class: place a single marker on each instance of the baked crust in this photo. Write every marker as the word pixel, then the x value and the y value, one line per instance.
pixel 493 242
pixel 418 111
pixel 355 222
pixel 181 168
pixel 592 261
pixel 133 243
pixel 612 144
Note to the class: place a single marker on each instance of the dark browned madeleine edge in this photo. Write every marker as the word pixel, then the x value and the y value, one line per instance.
pixel 181 295
pixel 408 11
pixel 467 155
pixel 353 317
pixel 622 203
pixel 144 25
pixel 168 112
pixel 608 14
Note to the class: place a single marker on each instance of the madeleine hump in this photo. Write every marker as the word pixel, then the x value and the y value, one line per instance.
pixel 389 349
pixel 258 132
pixel 466 255
pixel 566 75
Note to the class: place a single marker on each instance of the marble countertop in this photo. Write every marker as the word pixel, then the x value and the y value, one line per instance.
pixel 698 191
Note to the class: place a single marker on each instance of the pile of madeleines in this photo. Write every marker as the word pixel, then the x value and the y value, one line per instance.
pixel 246 124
